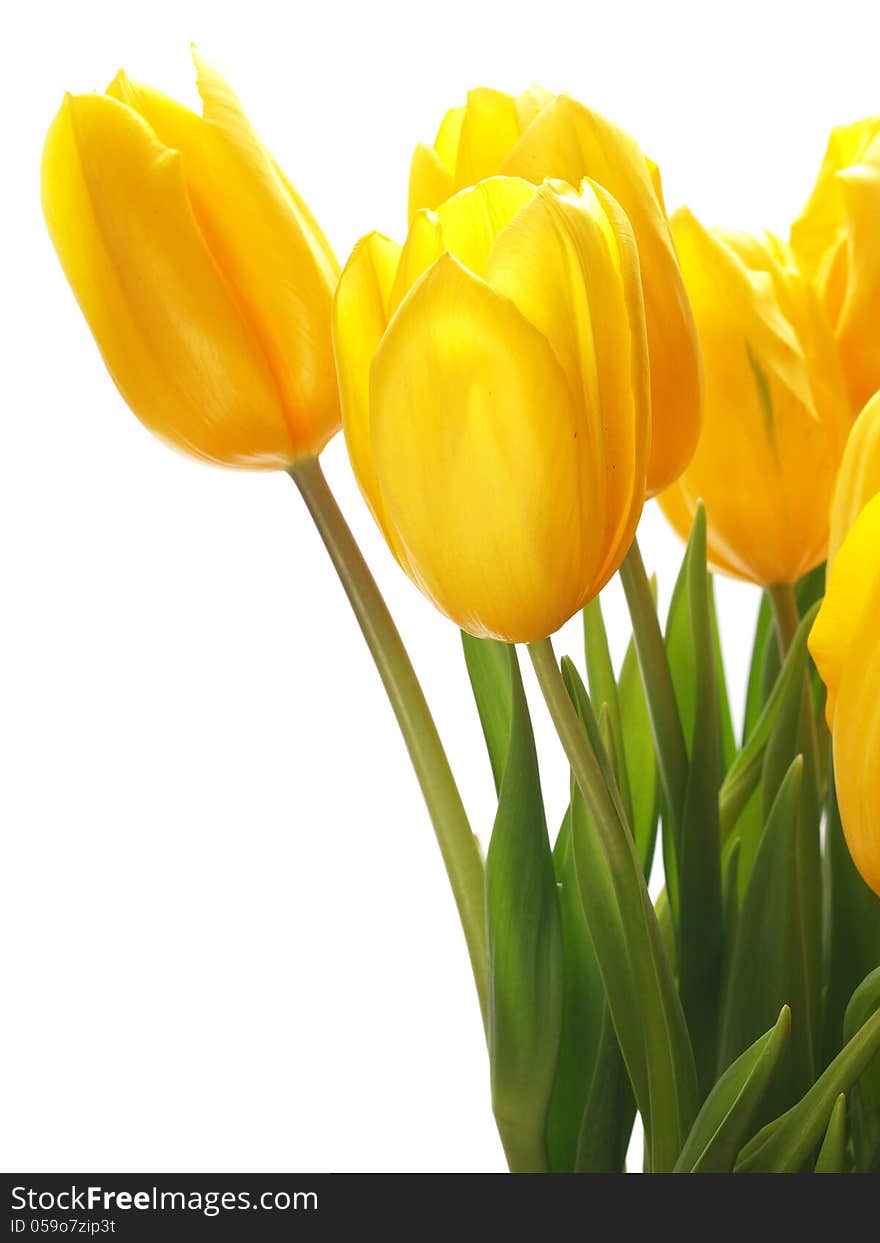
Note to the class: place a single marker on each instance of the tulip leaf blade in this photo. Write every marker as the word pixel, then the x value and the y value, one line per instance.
pixel 603 689
pixel 592 1107
pixel 865 1094
pixel 723 1122
pixel 768 968
pixel 640 757
pixel 785 1145
pixel 525 949
pixel 488 667
pixel 832 1154
pixel 692 649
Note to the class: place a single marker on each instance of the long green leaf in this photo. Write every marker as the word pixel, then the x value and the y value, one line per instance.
pixel 832 1154
pixel 603 689
pixel 755 690
pixel 592 1108
pixel 525 949
pixel 725 717
pixel 641 761
pixel 723 1123
pixel 488 666
pixel 784 1146
pixel 865 1095
pixel 744 773
pixel 768 969
pixel 692 658
pixel 636 972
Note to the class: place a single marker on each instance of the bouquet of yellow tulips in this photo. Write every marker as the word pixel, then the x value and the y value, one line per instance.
pixel 543 352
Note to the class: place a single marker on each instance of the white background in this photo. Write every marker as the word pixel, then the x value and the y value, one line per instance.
pixel 229 942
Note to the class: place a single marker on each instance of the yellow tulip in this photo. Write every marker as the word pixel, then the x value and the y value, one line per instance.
pixel 776 414
pixel 495 400
pixel 203 276
pixel 537 135
pixel 837 243
pixel 844 645
pixel 859 476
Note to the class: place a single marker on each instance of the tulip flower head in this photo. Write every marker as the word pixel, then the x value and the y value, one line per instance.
pixel 537 135
pixel 494 382
pixel 203 276
pixel 837 242
pixel 776 415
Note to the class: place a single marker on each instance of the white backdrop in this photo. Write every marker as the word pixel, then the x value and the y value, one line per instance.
pixel 229 941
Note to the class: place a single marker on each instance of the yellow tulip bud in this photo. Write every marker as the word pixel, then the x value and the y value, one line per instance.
pixel 537 135
pixel 495 400
pixel 776 415
pixel 843 643
pixel 837 243
pixel 859 476
pixel 202 274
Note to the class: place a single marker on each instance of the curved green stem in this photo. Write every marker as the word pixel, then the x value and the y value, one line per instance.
pixel 458 846
pixel 657 679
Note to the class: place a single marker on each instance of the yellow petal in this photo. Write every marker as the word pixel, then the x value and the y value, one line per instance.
pixel 569 262
pixel 857 743
pixel 265 240
pixel 858 479
pixel 361 314
pixel 848 592
pixel 568 141
pixel 473 428
pixel 170 332
pixel 430 181
pixel 858 324
pixel 489 129
pixel 766 459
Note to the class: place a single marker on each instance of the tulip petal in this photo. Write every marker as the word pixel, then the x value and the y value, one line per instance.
pixel 430 181
pixel 172 336
pixel 568 141
pixel 569 262
pixel 489 128
pixel 263 237
pixel 472 427
pixel 361 314
pixel 764 457
pixel 858 479
pixel 858 324
pixel 851 583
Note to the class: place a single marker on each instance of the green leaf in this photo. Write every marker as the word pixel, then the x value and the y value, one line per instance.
pixel 755 691
pixel 725 718
pixel 744 774
pixel 723 1123
pixel 865 1095
pixel 592 1109
pixel 832 1154
pixel 785 1145
pixel 525 949
pixel 648 1019
pixel 690 641
pixel 488 666
pixel 603 689
pixel 641 761
pixel 768 969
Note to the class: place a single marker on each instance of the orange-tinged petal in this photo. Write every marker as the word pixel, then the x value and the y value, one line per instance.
pixel 264 238
pixel 171 333
pixel 361 314
pixel 775 418
pixel 473 428
pixel 858 479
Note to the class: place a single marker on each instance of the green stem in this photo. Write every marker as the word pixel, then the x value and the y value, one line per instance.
pixel 657 679
pixel 785 614
pixel 458 846
pixel 670 1105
